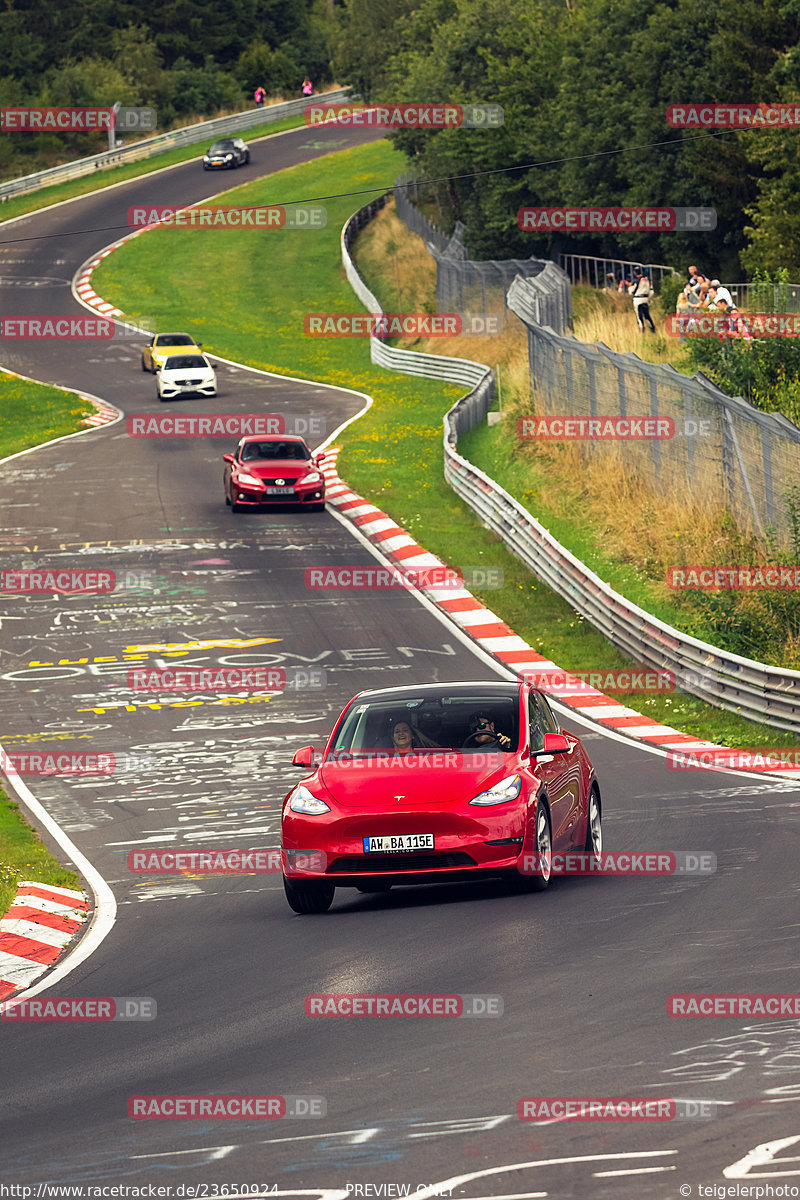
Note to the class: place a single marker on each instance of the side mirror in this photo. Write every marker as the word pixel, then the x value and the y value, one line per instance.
pixel 227 458
pixel 305 757
pixel 199 345
pixel 157 366
pixel 555 743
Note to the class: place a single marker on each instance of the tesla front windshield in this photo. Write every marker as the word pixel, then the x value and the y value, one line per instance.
pixel 448 721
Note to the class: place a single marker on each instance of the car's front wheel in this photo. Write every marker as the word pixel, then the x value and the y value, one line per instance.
pixel 247 158
pixel 309 897
pixel 594 828
pixel 144 364
pixel 536 858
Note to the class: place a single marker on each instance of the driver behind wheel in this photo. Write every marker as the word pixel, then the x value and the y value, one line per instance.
pixel 483 733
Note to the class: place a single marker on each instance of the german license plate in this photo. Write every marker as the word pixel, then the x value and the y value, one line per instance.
pixel 276 491
pixel 398 843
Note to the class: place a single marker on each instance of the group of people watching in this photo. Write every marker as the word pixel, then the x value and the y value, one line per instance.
pixel 702 294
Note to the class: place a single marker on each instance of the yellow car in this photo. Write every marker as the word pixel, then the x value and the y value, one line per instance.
pixel 161 345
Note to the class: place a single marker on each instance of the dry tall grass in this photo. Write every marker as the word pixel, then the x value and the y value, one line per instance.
pixel 647 527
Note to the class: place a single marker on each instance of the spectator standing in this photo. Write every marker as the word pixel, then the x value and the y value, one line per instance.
pixel 722 293
pixel 260 96
pixel 683 309
pixel 308 87
pixel 641 291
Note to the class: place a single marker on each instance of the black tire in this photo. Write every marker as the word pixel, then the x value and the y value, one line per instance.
pixel 593 843
pixel 317 507
pixel 374 889
pixel 235 508
pixel 531 881
pixel 247 159
pixel 309 897
pixel 163 399
pixel 144 368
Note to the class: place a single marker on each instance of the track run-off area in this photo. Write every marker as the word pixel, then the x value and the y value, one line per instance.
pixel 427 1106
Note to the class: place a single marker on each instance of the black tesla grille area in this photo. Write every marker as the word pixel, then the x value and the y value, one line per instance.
pixel 358 864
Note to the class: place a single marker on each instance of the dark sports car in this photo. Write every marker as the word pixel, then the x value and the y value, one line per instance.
pixel 227 152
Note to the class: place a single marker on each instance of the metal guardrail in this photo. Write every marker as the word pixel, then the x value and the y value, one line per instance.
pixel 751 689
pixel 188 136
pixel 409 362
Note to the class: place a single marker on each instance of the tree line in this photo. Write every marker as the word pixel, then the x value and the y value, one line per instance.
pixel 584 85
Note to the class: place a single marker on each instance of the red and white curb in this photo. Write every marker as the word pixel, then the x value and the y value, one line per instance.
pixel 104 415
pixel 84 290
pixel 492 633
pixel 36 931
pixel 478 622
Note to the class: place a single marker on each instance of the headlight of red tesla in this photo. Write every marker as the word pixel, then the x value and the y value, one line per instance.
pixel 304 801
pixel 498 793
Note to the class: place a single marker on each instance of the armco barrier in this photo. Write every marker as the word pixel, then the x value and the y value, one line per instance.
pixel 409 362
pixel 189 135
pixel 752 689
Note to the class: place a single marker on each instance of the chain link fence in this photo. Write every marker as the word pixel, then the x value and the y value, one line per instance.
pixel 464 285
pixel 723 452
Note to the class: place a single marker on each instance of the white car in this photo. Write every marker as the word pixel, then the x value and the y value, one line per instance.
pixel 186 375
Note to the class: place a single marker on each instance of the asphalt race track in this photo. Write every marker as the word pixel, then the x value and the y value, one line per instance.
pixel 584 970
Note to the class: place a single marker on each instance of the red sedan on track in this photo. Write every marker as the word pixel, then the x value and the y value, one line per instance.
pixel 435 783
pixel 273 469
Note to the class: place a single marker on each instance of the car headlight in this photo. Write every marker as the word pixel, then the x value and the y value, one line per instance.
pixel 304 801
pixel 498 793
pixel 312 477
pixel 252 480
pixel 228 157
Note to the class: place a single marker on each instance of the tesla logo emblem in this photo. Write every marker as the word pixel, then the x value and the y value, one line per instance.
pixel 280 481
pixel 398 798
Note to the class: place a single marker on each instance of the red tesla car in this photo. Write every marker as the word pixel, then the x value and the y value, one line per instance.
pixel 435 783
pixel 273 469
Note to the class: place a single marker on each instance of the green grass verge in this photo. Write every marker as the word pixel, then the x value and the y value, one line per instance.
pixel 24 856
pixel 106 176
pixel 33 413
pixel 246 293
